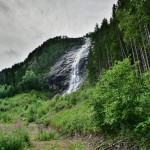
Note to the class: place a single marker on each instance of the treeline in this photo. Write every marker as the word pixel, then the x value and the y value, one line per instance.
pixel 38 62
pixel 127 34
pixel 28 82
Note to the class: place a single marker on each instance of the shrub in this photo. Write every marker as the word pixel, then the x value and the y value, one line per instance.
pixel 117 98
pixel 142 132
pixel 121 102
pixel 5 117
pixel 47 135
pixel 32 114
pixel 14 137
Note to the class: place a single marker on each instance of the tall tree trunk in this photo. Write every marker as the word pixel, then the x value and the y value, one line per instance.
pixel 99 63
pixel 121 45
pixel 126 47
pixel 132 51
pixel 147 34
pixel 137 55
pixel 143 60
pixel 111 61
pixel 145 53
pixel 108 59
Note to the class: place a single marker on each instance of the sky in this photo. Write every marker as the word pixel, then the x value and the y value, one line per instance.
pixel 26 24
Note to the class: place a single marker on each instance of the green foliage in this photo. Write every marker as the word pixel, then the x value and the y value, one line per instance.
pixel 31 113
pixel 121 101
pixel 142 132
pixel 6 90
pixel 75 120
pixel 118 97
pixel 77 145
pixel 29 82
pixel 119 104
pixel 47 135
pixel 35 107
pixel 22 106
pixel 14 138
pixel 5 118
pixel 126 35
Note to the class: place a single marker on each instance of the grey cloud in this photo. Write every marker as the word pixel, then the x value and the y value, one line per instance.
pixel 9 57
pixel 12 53
pixel 4 7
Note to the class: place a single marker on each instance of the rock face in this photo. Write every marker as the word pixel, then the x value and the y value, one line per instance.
pixel 63 75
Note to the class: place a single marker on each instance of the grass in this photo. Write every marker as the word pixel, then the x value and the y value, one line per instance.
pixel 113 101
pixel 19 107
pixel 77 145
pixel 61 145
pixel 76 119
pixel 47 135
pixel 69 114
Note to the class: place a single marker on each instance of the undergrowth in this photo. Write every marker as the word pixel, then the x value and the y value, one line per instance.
pixel 118 104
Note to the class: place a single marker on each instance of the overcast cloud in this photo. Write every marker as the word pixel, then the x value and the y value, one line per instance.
pixel 25 24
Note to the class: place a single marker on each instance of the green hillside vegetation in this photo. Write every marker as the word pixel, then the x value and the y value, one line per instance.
pixel 118 105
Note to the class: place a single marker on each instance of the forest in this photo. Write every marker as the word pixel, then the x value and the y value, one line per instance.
pixel 125 35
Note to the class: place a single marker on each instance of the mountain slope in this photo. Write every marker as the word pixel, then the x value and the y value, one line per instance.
pixel 38 63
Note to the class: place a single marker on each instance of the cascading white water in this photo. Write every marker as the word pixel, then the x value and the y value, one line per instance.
pixel 75 79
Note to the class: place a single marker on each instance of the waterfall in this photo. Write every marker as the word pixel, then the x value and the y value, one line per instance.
pixel 76 79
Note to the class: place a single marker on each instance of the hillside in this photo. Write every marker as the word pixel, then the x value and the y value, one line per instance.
pixel 113 114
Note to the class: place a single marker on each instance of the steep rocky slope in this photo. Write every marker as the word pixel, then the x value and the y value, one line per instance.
pixel 69 72
pixel 51 62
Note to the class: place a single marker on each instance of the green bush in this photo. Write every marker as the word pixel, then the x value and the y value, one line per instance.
pixel 14 137
pixel 6 91
pixel 47 135
pixel 32 114
pixel 121 101
pixel 142 132
pixel 117 98
pixel 5 117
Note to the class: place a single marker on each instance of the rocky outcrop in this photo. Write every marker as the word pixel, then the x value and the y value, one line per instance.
pixel 60 74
